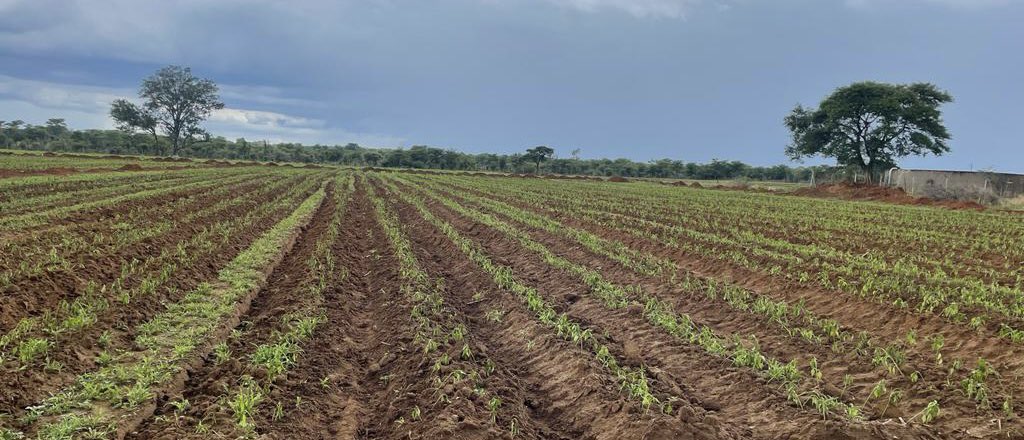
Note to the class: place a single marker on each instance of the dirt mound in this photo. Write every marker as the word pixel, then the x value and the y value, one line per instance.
pixel 897 196
pixel 130 167
pixel 222 163
pixel 56 171
pixel 618 179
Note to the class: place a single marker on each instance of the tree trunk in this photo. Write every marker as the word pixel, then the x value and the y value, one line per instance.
pixel 156 144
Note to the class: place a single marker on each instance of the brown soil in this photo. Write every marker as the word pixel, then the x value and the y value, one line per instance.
pixel 48 188
pixel 367 337
pixel 875 193
pixel 207 382
pixel 363 373
pixel 56 171
pixel 712 383
pixel 565 388
pixel 35 294
pixel 774 341
pixel 77 352
pixel 618 179
pixel 855 314
pixel 63 171
pixel 170 159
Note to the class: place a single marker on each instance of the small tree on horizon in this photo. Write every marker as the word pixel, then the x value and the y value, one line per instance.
pixel 869 125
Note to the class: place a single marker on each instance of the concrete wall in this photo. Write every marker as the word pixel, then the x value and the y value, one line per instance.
pixel 927 182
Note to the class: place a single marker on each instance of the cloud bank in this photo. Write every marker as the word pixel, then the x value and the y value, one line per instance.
pixel 87 106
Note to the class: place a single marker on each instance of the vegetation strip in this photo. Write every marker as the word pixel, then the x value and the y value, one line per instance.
pixel 82 312
pixel 633 381
pixel 109 398
pixel 660 314
pixel 889 359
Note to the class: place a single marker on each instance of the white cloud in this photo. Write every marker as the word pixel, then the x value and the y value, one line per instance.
pixel 264 95
pixel 637 8
pixel 259 118
pixel 59 96
pixel 956 4
pixel 86 106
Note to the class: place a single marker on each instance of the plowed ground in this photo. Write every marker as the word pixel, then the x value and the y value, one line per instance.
pixel 363 374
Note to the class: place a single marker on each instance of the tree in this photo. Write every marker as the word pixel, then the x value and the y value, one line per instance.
pixel 129 117
pixel 868 125
pixel 372 158
pixel 56 129
pixel 14 128
pixel 177 102
pixel 538 154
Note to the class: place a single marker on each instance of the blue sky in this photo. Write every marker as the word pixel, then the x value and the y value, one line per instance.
pixel 642 79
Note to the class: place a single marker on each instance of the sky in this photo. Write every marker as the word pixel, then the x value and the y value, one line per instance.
pixel 691 80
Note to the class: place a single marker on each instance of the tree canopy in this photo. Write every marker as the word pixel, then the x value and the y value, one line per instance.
pixel 538 154
pixel 175 101
pixel 22 135
pixel 869 125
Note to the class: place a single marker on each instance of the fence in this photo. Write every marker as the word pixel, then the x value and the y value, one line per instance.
pixel 938 182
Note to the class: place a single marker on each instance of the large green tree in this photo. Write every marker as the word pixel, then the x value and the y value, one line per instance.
pixel 129 118
pixel 174 100
pixel 869 125
pixel 538 154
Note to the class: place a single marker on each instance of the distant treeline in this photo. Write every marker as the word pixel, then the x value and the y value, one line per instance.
pixel 55 136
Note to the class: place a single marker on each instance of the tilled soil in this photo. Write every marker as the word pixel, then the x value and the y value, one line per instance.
pixel 774 340
pixel 361 374
pixel 364 374
pixel 77 352
pixel 566 391
pixel 961 415
pixel 37 293
pixel 856 314
pixel 723 391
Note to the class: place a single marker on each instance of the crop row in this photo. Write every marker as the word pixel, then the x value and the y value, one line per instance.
pixel 272 359
pixel 963 300
pixel 199 180
pixel 442 335
pixel 890 359
pixel 69 247
pixel 661 314
pixel 51 193
pixel 854 228
pixel 32 337
pixel 633 380
pixel 102 400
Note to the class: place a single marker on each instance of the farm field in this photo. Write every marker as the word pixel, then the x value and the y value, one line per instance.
pixel 203 301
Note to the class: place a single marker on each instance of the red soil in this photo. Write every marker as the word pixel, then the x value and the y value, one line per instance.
pixel 56 171
pixel 876 193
